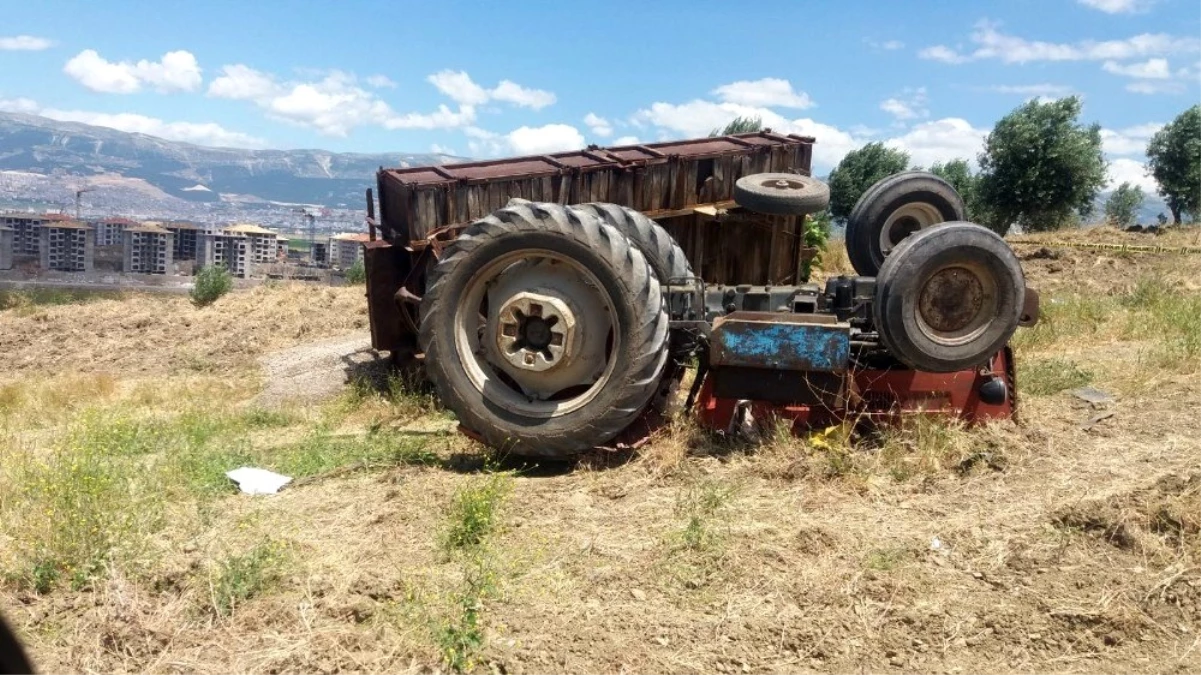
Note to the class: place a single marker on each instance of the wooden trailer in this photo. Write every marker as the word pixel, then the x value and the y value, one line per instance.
pixel 687 186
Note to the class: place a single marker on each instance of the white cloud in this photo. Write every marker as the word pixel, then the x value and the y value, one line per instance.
pixel 26 106
pixel 176 71
pixel 766 92
pixel 598 125
pixel 441 150
pixel 442 118
pixel 887 45
pixel 626 140
pixel 460 88
pixel 202 133
pixel 333 105
pixel 511 92
pixel 380 82
pixel 942 53
pixel 1130 171
pixel 240 82
pixel 910 105
pixel 1128 141
pixel 1052 90
pixel 544 139
pixel 993 44
pixel 1151 69
pixel 1155 87
pixel 940 141
pixel 24 43
pixel 698 118
pixel 1118 6
pixel 524 140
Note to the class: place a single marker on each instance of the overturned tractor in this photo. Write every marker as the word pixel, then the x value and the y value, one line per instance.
pixel 554 310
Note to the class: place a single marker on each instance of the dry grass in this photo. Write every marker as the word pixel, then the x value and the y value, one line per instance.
pixel 929 547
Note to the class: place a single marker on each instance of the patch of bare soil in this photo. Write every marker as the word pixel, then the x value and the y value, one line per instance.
pixel 316 370
pixel 146 334
pixel 1050 265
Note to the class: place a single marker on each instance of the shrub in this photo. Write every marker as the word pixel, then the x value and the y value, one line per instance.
pixel 356 273
pixel 212 282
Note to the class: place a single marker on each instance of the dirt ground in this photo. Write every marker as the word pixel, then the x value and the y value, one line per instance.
pixel 1068 543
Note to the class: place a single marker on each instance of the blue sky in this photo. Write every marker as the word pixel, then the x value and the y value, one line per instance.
pixel 489 79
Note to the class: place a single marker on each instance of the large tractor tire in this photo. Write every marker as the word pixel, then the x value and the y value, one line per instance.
pixel 949 297
pixel 781 194
pixel 544 330
pixel 668 261
pixel 894 208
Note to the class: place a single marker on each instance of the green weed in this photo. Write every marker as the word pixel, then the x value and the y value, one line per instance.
pixel 239 578
pixel 1064 318
pixel 886 559
pixel 474 512
pixel 1043 377
pixel 1168 316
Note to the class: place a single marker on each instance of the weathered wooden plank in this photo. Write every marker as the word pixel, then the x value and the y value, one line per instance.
pixel 773 251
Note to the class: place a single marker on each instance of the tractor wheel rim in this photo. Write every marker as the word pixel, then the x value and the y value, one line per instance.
pixel 534 331
pixel 957 303
pixel 783 184
pixel 905 221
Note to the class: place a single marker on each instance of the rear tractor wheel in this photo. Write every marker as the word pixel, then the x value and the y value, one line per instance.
pixel 544 330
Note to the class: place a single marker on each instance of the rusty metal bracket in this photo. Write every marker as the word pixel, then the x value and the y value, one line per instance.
pixel 1030 310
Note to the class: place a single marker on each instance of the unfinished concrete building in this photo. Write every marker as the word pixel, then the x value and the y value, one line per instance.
pixel 185 235
pixel 26 237
pixel 6 247
pixel 109 232
pixel 66 246
pixel 148 249
pixel 263 245
pixel 345 249
pixel 226 249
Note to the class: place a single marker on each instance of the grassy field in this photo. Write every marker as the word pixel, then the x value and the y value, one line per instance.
pixel 1066 543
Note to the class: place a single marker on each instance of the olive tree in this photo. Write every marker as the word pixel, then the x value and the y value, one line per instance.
pixel 1040 166
pixel 858 171
pixel 959 174
pixel 739 125
pixel 1174 157
pixel 1122 207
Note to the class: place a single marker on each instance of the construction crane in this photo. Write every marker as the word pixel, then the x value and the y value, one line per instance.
pixel 79 193
pixel 312 223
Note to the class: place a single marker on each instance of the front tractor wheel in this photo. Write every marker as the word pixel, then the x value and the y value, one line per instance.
pixel 544 330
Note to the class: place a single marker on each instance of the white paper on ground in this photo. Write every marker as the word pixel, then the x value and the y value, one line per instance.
pixel 254 481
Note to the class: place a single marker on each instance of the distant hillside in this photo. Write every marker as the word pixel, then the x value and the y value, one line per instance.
pixel 195 173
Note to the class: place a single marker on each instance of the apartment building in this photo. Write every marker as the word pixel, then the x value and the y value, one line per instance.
pixel 25 226
pixel 109 232
pixel 263 245
pixel 185 237
pixel 229 250
pixel 66 246
pixel 6 247
pixel 345 249
pixel 148 249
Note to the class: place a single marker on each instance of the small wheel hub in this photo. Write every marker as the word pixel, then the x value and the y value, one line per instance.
pixel 783 184
pixel 952 300
pixel 536 332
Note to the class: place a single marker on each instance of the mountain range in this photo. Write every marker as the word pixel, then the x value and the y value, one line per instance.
pixel 140 172
pixel 39 145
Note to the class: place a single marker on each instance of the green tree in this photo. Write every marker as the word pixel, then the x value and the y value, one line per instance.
pixel 211 283
pixel 959 174
pixel 1039 166
pixel 858 171
pixel 356 273
pixel 1174 157
pixel 1122 207
pixel 739 125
